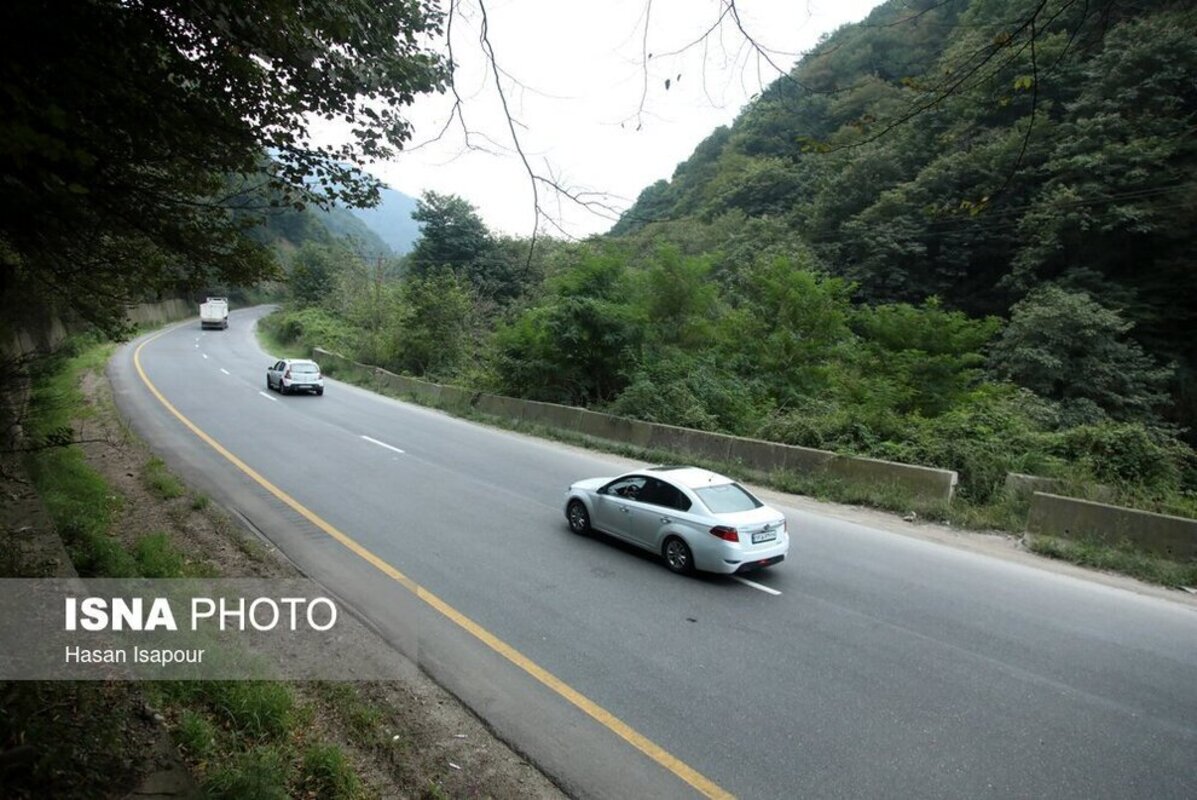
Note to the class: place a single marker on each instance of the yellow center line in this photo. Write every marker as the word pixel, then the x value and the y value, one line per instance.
pixel 701 783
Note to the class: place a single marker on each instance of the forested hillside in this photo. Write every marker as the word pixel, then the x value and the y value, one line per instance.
pixel 956 235
pixel 1064 155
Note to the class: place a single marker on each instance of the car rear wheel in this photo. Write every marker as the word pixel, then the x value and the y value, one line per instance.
pixel 677 556
pixel 579 519
pixel 319 392
pixel 282 387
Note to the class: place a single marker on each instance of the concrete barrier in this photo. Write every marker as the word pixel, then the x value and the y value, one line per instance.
pixel 456 398
pixel 1070 518
pixel 43 331
pixel 806 459
pixel 925 482
pixel 163 311
pixel 499 406
pixel 758 454
pixel 615 429
pixel 551 414
pixel 1021 485
pixel 693 442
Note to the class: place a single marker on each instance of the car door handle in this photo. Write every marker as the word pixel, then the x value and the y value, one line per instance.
pixel 665 520
pixel 624 509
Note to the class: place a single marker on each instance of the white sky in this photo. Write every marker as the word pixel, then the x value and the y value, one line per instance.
pixel 574 81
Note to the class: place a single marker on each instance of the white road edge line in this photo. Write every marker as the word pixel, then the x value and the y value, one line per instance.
pixel 381 444
pixel 226 372
pixel 268 397
pixel 756 585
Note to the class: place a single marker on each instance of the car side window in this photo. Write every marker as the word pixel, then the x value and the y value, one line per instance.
pixel 659 493
pixel 278 365
pixel 628 488
pixel 667 495
pixel 677 498
pixel 652 492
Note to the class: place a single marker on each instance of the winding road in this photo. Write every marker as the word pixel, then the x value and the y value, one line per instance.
pixel 869 664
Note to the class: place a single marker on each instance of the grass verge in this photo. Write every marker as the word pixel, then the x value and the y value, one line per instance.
pixel 1117 558
pixel 159 480
pixel 272 343
pixel 244 739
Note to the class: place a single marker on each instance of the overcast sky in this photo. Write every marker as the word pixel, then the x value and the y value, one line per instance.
pixel 574 78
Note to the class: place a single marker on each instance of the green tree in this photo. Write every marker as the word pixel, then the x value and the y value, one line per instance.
pixel 931 355
pixel 432 328
pixel 579 343
pixel 451 234
pixel 678 299
pixel 313 276
pixel 791 328
pixel 1067 347
pixel 129 131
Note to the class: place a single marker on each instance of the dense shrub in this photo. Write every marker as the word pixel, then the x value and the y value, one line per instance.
pixel 314 327
pixel 692 393
pixel 998 430
pixel 1128 454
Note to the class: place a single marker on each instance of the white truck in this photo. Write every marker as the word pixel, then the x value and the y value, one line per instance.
pixel 214 313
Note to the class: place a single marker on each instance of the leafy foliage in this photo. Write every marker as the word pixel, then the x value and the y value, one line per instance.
pixel 132 136
pixel 433 326
pixel 451 234
pixel 1070 162
pixel 1067 347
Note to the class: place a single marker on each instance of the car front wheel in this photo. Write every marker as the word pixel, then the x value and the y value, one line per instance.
pixel 579 519
pixel 678 557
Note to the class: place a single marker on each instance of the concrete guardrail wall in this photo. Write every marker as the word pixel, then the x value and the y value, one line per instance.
pixel 165 311
pixel 924 482
pixel 1070 518
pixel 1021 485
pixel 45 334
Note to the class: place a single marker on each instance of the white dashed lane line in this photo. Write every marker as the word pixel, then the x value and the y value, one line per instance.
pixel 226 372
pixel 756 585
pixel 381 444
pixel 205 355
pixel 268 397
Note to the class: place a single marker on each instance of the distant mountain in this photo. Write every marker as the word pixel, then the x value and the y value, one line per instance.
pixel 343 223
pixel 391 220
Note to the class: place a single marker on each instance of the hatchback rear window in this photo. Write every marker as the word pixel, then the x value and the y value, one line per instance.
pixel 305 368
pixel 727 498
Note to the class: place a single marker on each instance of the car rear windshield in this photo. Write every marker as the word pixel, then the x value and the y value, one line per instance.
pixel 304 368
pixel 727 498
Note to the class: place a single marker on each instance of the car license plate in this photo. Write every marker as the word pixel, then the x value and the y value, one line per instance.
pixel 764 536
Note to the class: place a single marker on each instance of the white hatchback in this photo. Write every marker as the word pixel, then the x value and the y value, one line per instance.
pixel 691 517
pixel 295 375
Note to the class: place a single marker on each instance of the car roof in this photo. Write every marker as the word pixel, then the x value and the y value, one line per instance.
pixel 300 361
pixel 690 477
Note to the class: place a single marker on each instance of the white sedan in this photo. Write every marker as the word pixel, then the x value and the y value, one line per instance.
pixel 693 518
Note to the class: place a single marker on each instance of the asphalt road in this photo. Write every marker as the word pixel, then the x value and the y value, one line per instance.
pixel 887 666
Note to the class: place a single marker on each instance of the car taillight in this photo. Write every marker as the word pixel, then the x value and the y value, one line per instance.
pixel 287 374
pixel 725 533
